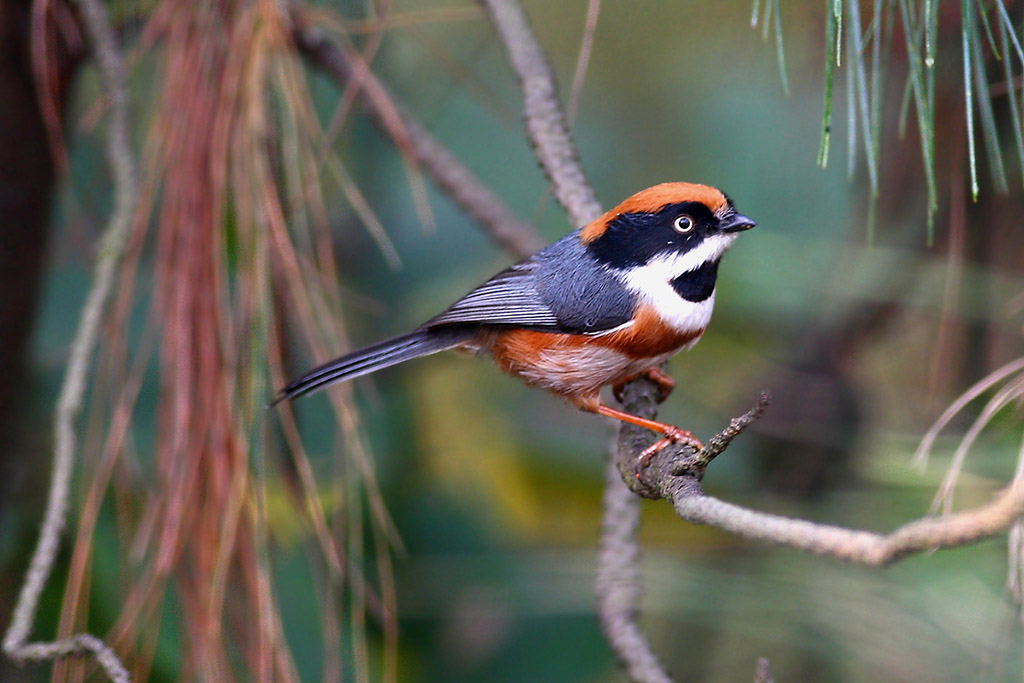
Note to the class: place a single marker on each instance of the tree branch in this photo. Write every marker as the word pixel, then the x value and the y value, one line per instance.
pixel 618 584
pixel 675 474
pixel 111 248
pixel 481 204
pixel 546 124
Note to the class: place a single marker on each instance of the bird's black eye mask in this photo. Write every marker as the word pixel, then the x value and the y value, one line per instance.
pixel 633 239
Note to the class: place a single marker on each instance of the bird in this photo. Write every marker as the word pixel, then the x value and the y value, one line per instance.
pixel 605 304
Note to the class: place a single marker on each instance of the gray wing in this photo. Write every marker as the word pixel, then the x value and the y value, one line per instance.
pixel 508 298
pixel 561 288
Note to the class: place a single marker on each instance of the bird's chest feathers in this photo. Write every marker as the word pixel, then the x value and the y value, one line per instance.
pixel 681 292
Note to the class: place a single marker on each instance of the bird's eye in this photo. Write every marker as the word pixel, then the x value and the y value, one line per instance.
pixel 683 224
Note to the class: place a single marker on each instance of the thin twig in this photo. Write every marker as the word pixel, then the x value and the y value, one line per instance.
pixel 451 176
pixel 675 474
pixel 545 121
pixel 583 60
pixel 618 584
pixel 973 392
pixel 111 248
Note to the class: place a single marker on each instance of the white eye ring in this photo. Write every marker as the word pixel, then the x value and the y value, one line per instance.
pixel 683 224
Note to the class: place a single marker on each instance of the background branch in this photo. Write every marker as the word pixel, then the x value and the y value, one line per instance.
pixel 111 248
pixel 546 124
pixel 343 63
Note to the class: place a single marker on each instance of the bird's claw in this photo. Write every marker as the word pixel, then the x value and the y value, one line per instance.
pixel 665 384
pixel 672 435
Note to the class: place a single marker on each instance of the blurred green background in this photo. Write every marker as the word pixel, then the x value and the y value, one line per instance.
pixel 495 488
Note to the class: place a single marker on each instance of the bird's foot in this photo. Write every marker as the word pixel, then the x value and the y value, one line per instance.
pixel 672 435
pixel 665 384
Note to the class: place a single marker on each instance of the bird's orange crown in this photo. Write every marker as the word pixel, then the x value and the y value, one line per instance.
pixel 654 199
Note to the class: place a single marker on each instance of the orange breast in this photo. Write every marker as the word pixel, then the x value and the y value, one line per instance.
pixel 547 359
pixel 574 365
pixel 647 337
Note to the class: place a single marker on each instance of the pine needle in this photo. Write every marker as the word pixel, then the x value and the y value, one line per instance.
pixel 851 115
pixel 837 16
pixel 861 91
pixel 881 53
pixel 966 35
pixel 924 104
pixel 826 120
pixel 988 31
pixel 1004 29
pixel 988 119
pixel 1007 24
pixel 779 47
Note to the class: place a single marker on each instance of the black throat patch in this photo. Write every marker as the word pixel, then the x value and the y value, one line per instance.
pixel 697 285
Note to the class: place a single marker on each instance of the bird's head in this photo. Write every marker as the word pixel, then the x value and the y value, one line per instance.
pixel 681 226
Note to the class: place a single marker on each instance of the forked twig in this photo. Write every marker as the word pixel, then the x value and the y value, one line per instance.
pixel 69 404
pixel 675 474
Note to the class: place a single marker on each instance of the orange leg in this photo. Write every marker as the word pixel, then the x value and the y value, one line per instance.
pixel 672 434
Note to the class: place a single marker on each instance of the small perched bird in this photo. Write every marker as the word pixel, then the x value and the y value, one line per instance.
pixel 604 304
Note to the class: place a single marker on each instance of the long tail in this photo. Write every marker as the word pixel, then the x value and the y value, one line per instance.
pixel 372 358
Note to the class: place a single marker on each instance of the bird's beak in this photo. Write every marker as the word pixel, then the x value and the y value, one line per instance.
pixel 736 223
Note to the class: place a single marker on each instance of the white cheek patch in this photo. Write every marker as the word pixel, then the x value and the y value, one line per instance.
pixel 652 283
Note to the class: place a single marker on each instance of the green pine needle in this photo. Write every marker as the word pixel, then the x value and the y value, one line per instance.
pixel 837 16
pixel 988 31
pixel 988 119
pixel 861 92
pixel 966 34
pixel 1018 135
pixel 1008 25
pixel 851 113
pixel 830 64
pixel 924 105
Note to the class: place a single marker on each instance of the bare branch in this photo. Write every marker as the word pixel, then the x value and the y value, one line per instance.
pixel 583 60
pixel 545 121
pixel 675 474
pixel 111 248
pixel 452 177
pixel 618 584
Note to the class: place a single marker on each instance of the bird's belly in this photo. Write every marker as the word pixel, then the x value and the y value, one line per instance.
pixel 568 364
